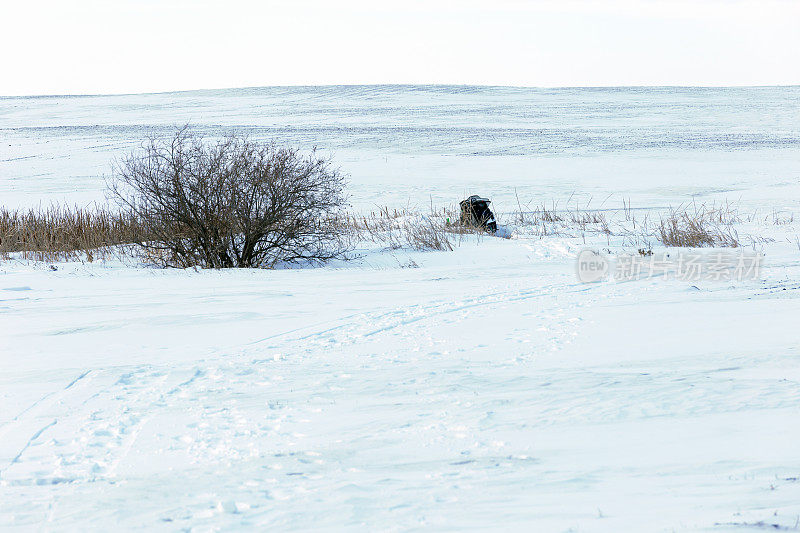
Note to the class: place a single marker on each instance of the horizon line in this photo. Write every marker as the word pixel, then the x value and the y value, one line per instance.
pixel 349 85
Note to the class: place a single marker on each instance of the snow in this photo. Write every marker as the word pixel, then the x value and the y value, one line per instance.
pixel 487 388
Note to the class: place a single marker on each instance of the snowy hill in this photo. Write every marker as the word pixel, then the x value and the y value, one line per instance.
pixel 481 388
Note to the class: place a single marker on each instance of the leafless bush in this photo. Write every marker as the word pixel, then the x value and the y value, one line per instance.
pixel 231 203
pixel 58 233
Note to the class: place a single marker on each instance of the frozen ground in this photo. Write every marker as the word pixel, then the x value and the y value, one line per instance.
pixel 484 389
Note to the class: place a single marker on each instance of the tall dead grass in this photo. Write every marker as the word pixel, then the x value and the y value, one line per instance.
pixel 58 233
pixel 545 221
pixel 439 229
pixel 61 233
pixel 703 226
pixel 687 226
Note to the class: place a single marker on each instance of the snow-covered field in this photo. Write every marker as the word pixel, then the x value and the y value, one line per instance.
pixel 484 388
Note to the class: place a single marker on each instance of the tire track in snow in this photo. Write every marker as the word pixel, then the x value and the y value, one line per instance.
pixel 346 320
pixel 43 402
pixel 37 409
pixel 424 312
pixel 28 444
pixel 109 433
pixel 139 424
pixel 97 432
pixel 525 295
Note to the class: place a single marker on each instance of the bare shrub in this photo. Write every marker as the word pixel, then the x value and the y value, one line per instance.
pixel 231 203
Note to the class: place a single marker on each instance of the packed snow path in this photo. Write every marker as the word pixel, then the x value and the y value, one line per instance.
pixel 470 392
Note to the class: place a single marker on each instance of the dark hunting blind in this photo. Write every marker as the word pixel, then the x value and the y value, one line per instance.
pixel 475 212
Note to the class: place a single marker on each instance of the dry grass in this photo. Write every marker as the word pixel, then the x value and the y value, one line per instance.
pixel 705 225
pixel 699 228
pixel 782 218
pixel 544 221
pixel 59 233
pixel 428 234
pixel 438 230
pixel 687 226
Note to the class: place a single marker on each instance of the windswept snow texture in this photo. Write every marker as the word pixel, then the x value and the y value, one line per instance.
pixel 417 144
pixel 484 388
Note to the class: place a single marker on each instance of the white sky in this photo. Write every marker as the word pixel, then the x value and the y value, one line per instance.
pixel 113 46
